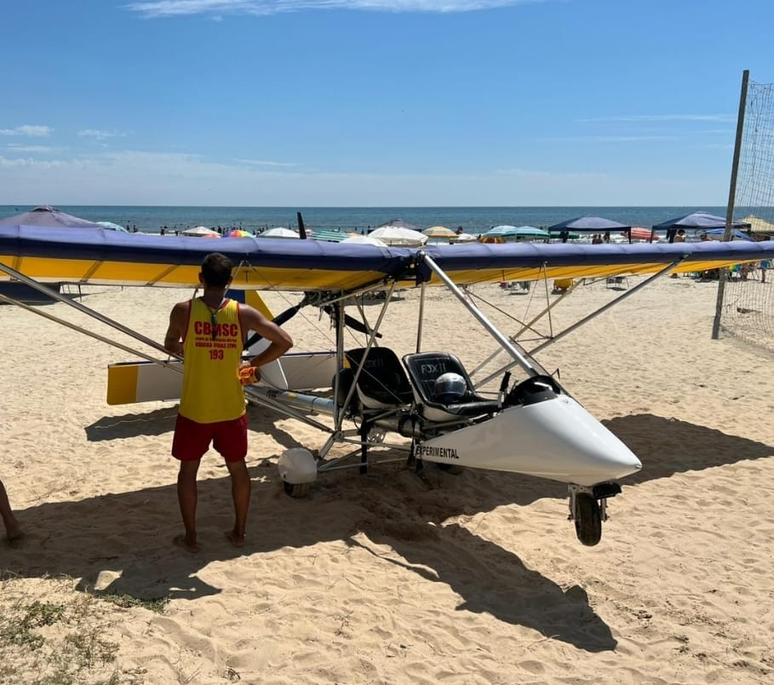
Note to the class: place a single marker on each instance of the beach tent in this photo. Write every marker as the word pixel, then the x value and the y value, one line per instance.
pixel 398 223
pixel 397 236
pixel 200 232
pixel 697 220
pixel 759 225
pixel 588 224
pixel 45 215
pixel 278 233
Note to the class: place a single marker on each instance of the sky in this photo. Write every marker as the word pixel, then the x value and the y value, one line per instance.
pixel 375 102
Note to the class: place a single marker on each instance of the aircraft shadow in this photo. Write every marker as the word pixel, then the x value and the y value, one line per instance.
pixel 160 421
pixel 138 547
pixel 389 506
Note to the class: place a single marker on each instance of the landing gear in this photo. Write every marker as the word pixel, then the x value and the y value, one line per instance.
pixel 296 490
pixel 588 519
pixel 588 508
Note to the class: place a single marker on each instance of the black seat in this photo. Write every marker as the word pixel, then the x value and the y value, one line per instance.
pixel 383 382
pixel 424 368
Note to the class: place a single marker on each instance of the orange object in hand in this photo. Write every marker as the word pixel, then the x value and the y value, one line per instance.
pixel 248 374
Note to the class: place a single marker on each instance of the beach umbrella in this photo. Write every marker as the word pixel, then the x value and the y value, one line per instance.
pixel 399 236
pixel 239 233
pixel 589 223
pixel 112 227
pixel 718 233
pixel 45 215
pixel 439 232
pixel 200 232
pixel 329 236
pixel 278 233
pixel 517 232
pixel 464 238
pixel 364 240
pixel 759 225
pixel 640 233
pixel 399 223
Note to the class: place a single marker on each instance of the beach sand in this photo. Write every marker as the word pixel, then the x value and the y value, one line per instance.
pixel 376 578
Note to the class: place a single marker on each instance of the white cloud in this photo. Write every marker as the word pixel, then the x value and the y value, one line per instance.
pixel 100 135
pixel 639 118
pixel 27 130
pixel 131 177
pixel 260 162
pixel 218 8
pixel 19 147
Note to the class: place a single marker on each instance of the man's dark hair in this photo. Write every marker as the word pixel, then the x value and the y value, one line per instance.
pixel 216 270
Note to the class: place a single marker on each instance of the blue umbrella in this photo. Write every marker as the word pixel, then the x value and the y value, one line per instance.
pixel 589 223
pixel 717 234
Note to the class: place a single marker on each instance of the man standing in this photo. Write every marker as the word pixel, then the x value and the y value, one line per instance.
pixel 209 332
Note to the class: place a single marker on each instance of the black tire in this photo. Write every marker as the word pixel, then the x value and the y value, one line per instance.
pixel 588 519
pixel 296 490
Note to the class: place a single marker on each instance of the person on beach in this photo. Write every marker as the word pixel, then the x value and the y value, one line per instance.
pixel 209 333
pixel 680 237
pixel 12 528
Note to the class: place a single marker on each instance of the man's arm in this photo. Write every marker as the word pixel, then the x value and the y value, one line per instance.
pixel 178 320
pixel 280 341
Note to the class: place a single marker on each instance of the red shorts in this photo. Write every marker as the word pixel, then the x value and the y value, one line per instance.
pixel 192 439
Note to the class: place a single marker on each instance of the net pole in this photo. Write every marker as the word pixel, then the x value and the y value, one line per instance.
pixel 731 200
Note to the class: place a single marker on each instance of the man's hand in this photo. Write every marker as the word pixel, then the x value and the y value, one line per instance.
pixel 248 374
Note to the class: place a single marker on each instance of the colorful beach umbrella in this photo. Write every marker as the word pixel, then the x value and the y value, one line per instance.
pixel 239 233
pixel 439 232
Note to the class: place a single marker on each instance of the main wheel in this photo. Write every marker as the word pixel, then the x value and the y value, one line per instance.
pixel 588 519
pixel 296 490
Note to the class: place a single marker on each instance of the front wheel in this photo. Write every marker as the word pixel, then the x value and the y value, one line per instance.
pixel 588 519
pixel 296 490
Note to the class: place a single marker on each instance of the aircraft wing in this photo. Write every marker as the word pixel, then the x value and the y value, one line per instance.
pixel 99 256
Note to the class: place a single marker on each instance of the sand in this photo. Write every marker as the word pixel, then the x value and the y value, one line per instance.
pixel 376 578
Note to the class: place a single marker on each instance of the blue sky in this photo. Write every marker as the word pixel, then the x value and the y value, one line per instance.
pixel 375 102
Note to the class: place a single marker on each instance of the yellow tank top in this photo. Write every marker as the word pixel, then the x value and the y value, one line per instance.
pixel 211 356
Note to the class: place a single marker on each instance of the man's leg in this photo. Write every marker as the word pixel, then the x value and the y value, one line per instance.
pixel 12 527
pixel 241 487
pixel 187 496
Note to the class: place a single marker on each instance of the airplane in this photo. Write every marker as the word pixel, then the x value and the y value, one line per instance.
pixel 529 425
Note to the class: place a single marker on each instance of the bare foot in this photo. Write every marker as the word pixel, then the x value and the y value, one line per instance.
pixel 182 541
pixel 234 539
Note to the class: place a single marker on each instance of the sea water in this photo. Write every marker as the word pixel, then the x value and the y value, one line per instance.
pixel 360 219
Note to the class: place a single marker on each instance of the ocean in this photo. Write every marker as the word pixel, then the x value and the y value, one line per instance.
pixel 472 219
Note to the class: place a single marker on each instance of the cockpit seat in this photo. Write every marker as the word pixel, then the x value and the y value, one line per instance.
pixel 383 383
pixel 424 369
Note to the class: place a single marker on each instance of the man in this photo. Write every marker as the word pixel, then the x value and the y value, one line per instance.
pixel 209 332
pixel 12 528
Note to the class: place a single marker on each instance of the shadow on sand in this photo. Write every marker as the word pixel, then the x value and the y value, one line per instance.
pixel 389 506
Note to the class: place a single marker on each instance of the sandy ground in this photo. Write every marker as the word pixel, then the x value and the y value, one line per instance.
pixel 377 579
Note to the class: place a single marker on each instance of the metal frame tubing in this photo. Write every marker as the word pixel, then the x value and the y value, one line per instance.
pixel 504 342
pixel 523 328
pixel 421 316
pixel 343 410
pixel 585 320
pixel 91 334
pixel 82 308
